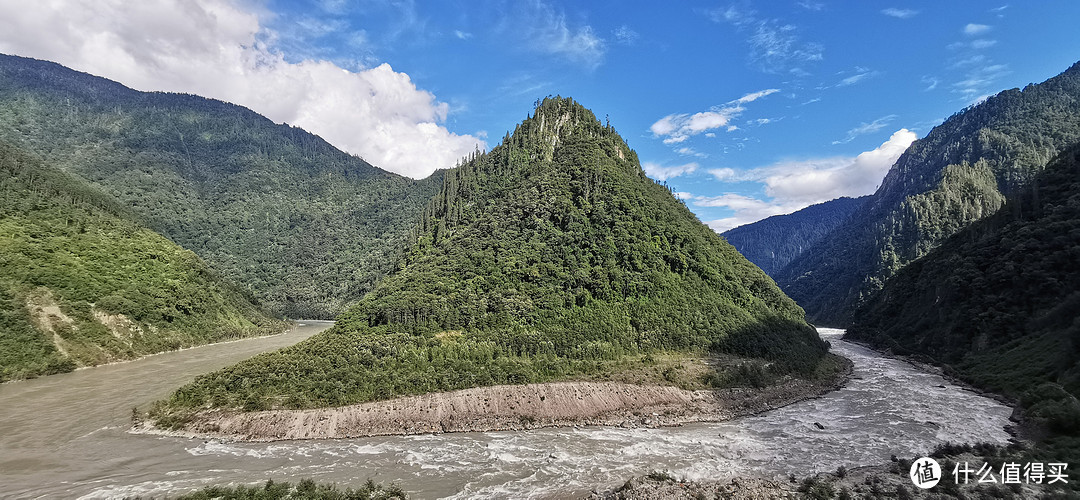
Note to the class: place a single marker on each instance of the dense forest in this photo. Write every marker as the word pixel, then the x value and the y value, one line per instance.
pixel 551 256
pixel 81 284
pixel 304 227
pixel 959 173
pixel 997 303
pixel 773 242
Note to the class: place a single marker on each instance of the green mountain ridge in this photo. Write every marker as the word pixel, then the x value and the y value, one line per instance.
pixel 306 228
pixel 81 285
pixel 773 242
pixel 959 173
pixel 998 304
pixel 549 257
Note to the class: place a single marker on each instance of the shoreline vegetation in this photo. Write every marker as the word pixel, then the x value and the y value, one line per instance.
pixel 510 407
pixel 83 283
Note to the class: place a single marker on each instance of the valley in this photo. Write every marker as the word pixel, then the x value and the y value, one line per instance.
pixel 195 293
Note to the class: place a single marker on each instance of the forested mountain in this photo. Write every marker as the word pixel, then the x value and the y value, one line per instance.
pixel 959 173
pixel 302 225
pixel 551 256
pixel 81 285
pixel 999 302
pixel 773 242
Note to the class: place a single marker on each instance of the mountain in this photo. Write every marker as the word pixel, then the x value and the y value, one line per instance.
pixel 551 256
pixel 82 285
pixel 959 173
pixel 998 303
pixel 305 227
pixel 774 242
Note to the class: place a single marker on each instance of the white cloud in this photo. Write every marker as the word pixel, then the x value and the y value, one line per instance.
pixel 462 35
pixel 547 31
pixel 978 80
pixel 679 127
pixel 624 35
pixel 676 128
pixel 775 46
pixel 853 79
pixel 975 29
pixel 900 13
pixel 688 151
pixel 979 44
pixel 866 128
pixel 747 209
pixel 216 49
pixel 815 181
pixel 931 83
pixel 662 173
pixel 753 96
pixel 722 174
pixel 793 185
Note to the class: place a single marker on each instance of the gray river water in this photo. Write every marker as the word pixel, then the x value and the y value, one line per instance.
pixel 66 436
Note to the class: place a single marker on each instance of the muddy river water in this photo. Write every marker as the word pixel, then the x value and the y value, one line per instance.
pixel 66 436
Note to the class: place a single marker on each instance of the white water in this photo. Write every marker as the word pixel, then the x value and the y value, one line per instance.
pixel 66 436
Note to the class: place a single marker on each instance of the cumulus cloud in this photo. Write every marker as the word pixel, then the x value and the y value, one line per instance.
pixel 663 173
pixel 793 185
pixel 975 29
pixel 816 181
pixel 217 49
pixel 899 13
pixel 676 128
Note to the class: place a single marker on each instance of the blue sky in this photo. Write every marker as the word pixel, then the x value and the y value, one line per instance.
pixel 747 109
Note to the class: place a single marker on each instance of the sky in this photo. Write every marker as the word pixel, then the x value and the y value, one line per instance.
pixel 745 109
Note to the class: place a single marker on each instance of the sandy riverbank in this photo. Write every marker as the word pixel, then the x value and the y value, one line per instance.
pixel 506 407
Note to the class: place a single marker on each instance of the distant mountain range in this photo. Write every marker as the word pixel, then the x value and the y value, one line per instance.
pixel 306 228
pixel 774 242
pixel 959 173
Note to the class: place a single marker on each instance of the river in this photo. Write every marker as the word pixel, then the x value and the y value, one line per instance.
pixel 65 436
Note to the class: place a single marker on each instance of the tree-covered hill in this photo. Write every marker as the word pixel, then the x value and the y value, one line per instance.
pixel 302 225
pixel 551 256
pixel 999 302
pixel 959 173
pixel 81 285
pixel 773 242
